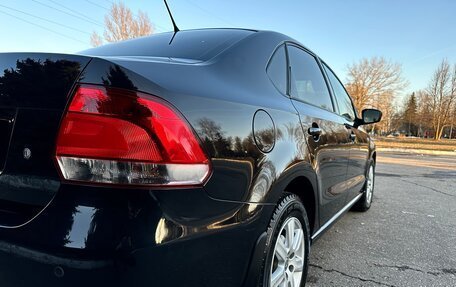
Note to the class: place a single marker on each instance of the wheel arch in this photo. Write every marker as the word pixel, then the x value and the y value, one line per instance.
pixel 303 188
pixel 300 179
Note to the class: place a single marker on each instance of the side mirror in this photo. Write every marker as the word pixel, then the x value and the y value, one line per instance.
pixel 370 116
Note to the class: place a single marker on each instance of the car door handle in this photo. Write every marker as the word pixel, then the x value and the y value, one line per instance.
pixel 314 131
pixel 352 134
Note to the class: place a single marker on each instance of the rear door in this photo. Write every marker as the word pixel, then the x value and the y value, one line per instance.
pixel 358 144
pixel 327 136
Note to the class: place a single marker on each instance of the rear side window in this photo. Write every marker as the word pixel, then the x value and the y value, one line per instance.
pixel 307 81
pixel 343 99
pixel 277 69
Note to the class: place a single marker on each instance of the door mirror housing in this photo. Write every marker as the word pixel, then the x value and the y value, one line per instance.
pixel 370 116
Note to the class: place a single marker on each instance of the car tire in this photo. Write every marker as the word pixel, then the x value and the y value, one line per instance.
pixel 364 203
pixel 286 258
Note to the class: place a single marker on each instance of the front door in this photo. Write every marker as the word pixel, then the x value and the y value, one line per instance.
pixel 358 141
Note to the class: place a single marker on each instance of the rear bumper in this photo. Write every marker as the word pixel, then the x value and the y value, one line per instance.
pixel 144 239
pixel 218 259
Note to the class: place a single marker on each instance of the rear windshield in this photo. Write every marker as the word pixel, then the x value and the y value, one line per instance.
pixel 200 45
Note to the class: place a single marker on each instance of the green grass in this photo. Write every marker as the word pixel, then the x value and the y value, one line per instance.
pixel 416 143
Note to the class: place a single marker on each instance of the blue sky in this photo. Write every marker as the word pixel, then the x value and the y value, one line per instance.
pixel 418 34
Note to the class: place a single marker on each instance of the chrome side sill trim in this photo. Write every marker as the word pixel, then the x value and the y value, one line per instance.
pixel 336 216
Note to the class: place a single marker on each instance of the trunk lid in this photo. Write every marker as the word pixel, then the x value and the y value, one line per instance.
pixel 7 116
pixel 34 90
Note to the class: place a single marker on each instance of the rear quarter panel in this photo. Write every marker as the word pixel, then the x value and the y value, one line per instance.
pixel 219 98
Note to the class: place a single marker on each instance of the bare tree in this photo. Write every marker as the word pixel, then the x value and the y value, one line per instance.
pixel 389 112
pixel 424 113
pixel 95 39
pixel 442 97
pixel 121 24
pixel 452 130
pixel 374 81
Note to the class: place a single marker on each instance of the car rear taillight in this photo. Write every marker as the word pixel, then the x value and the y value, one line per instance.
pixel 118 136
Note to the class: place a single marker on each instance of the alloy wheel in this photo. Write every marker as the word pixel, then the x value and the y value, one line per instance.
pixel 370 185
pixel 288 259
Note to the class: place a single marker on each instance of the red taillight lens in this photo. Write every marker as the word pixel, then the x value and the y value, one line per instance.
pixel 117 136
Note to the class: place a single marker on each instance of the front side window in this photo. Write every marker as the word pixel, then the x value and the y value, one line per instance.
pixel 307 82
pixel 343 99
pixel 277 69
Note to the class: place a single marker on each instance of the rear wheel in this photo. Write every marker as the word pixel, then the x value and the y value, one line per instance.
pixel 364 203
pixel 288 244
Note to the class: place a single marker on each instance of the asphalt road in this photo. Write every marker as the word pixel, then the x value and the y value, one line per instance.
pixel 407 238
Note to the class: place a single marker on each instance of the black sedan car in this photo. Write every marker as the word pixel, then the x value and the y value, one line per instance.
pixel 199 158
